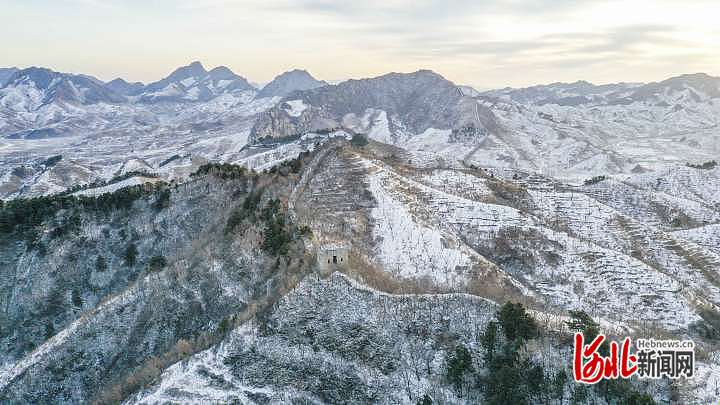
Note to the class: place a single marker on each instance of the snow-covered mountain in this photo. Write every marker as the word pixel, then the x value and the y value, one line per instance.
pixel 288 82
pixel 189 240
pixel 552 129
pixel 577 129
pixel 469 91
pixel 692 88
pixel 565 94
pixel 30 89
pixel 125 88
pixel 408 103
pixel 40 103
pixel 5 74
pixel 193 83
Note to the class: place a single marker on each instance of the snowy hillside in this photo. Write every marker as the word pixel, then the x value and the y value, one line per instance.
pixel 213 115
pixel 208 290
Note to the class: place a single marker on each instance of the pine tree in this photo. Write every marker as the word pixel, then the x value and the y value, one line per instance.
pixel 516 323
pixel 131 253
pixel 100 264
pixel 77 300
pixel 488 340
pixel 425 400
pixel 582 322
pixel 459 363
pixel 49 330
pixel 157 263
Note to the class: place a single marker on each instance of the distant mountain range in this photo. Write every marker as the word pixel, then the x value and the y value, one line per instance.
pixel 695 87
pixel 31 88
pixel 574 130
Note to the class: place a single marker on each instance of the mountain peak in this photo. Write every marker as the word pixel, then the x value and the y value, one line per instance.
pixel 290 81
pixel 195 69
pixel 695 76
pixel 424 74
pixel 121 86
pixel 706 85
pixel 40 76
pixel 427 73
pixel 423 98
pixel 222 73
pixel 193 83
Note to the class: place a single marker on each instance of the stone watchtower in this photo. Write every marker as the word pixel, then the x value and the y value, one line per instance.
pixel 332 257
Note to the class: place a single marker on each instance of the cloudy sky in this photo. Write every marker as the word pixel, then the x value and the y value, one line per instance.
pixel 488 43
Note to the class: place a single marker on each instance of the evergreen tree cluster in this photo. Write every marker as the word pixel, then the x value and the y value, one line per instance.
pixel 247 210
pixel 169 160
pixel 224 171
pixel 509 376
pixel 359 140
pixel 295 165
pixel 162 199
pixel 52 160
pixel 704 166
pixel 25 215
pixel 130 255
pixel 458 365
pixel 156 263
pixel 100 264
pixel 512 378
pixel 594 180
pixel 276 236
pixel 77 300
pixel 277 232
pixel 290 166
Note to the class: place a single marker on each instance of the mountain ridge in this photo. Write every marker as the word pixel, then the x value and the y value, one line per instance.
pixel 419 100
pixel 194 83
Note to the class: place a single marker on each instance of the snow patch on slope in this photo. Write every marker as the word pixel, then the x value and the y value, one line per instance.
pixel 407 247
pixel 295 107
pixel 110 188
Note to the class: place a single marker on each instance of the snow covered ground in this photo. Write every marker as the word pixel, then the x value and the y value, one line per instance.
pixel 568 244
pixel 132 181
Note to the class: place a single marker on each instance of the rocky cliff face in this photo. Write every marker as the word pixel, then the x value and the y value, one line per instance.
pixel 413 102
